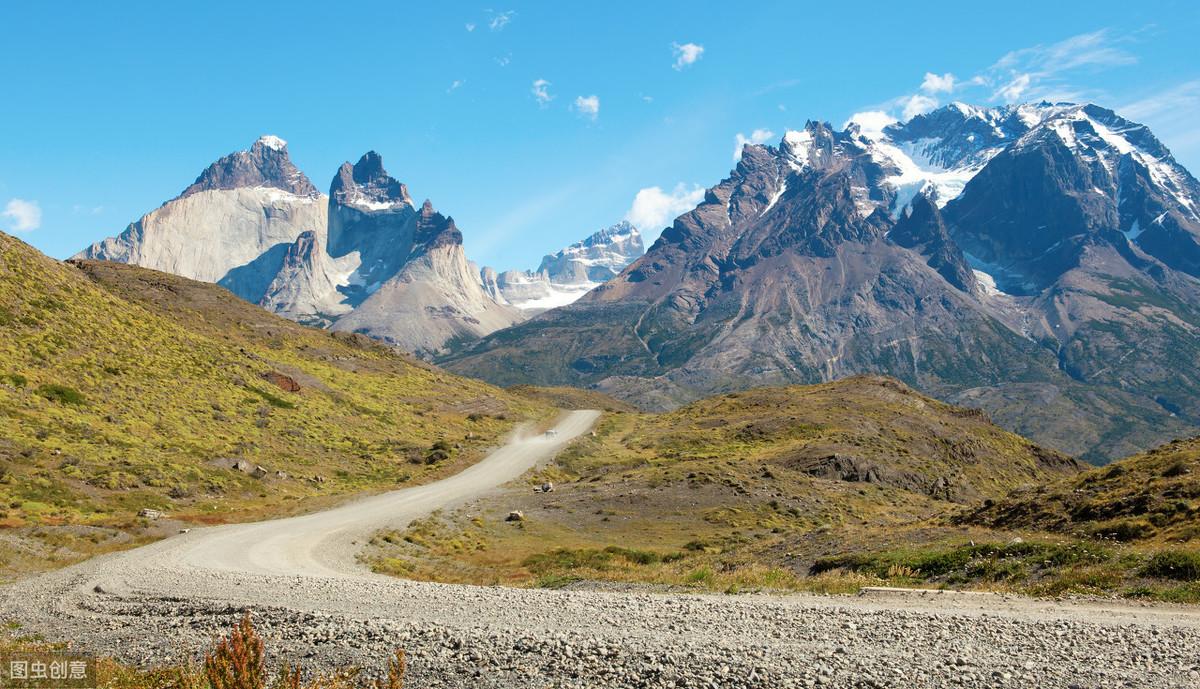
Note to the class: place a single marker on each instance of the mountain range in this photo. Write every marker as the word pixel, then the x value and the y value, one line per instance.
pixel 569 273
pixel 1040 261
pixel 363 258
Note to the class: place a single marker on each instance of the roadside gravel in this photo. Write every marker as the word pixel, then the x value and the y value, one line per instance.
pixel 315 606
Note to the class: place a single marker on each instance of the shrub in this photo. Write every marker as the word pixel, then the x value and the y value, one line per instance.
pixel 17 380
pixel 61 394
pixel 236 662
pixel 1180 565
pixel 1177 468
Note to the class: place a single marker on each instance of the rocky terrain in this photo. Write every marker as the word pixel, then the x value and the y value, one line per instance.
pixel 1004 258
pixel 459 637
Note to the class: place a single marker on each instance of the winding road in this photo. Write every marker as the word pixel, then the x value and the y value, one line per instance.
pixel 315 604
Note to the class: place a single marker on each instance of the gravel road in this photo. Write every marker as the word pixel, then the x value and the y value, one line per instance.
pixel 315 605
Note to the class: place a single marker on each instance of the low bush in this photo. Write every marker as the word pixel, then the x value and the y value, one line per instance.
pixel 61 394
pixel 1178 565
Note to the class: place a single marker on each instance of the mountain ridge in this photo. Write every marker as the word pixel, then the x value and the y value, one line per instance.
pixel 787 272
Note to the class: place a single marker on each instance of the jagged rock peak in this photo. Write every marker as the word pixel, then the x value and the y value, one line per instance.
pixel 921 227
pixel 435 230
pixel 265 164
pixel 367 186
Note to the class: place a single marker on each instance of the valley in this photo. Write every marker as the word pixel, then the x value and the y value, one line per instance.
pixel 905 395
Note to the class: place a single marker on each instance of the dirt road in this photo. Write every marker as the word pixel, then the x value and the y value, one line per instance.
pixel 317 605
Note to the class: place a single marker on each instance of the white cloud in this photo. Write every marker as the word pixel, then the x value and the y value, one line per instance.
pixel 455 85
pixel 25 216
pixel 588 106
pixel 541 92
pixel 686 54
pixel 504 60
pixel 1011 90
pixel 758 136
pixel 938 84
pixel 918 105
pixel 653 209
pixel 470 26
pixel 500 20
pixel 871 122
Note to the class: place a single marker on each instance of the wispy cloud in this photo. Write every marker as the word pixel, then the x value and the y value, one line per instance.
pixel 686 54
pixel 653 209
pixel 23 216
pixel 500 20
pixel 503 60
pixel 777 86
pixel 1172 115
pixel 1183 99
pixel 470 26
pixel 456 85
pixel 1042 70
pixel 541 92
pixel 587 106
pixel 758 136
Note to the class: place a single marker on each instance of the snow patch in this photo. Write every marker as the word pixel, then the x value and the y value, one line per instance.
pixel 775 198
pixel 1133 231
pixel 988 283
pixel 272 142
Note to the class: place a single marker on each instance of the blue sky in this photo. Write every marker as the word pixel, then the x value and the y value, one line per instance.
pixel 531 123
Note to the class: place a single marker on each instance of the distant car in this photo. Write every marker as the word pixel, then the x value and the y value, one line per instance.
pixel 551 433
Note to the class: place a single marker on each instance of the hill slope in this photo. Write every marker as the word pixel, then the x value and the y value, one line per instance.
pixel 1150 497
pixel 744 482
pixel 123 388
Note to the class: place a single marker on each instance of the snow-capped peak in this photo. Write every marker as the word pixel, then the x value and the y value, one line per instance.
pixel 272 142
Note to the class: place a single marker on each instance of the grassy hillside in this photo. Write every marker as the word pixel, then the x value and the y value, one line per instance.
pixel 123 389
pixel 744 489
pixel 1152 497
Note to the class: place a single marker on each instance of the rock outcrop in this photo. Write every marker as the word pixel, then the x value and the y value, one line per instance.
pixel 361 259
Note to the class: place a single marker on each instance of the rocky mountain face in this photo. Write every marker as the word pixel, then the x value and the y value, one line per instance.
pixel 361 259
pixel 568 274
pixel 1036 260
pixel 232 226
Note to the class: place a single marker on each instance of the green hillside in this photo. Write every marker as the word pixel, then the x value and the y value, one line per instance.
pixel 123 389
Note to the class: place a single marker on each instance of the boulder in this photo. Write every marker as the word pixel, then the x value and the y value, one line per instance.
pixel 279 380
